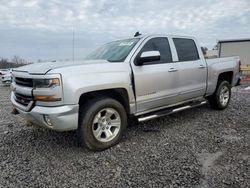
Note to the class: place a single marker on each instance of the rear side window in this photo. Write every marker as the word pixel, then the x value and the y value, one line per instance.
pixel 160 44
pixel 186 49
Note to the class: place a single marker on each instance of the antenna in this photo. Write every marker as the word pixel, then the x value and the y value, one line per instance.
pixel 73 44
pixel 137 34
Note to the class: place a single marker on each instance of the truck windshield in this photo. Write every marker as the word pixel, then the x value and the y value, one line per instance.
pixel 114 51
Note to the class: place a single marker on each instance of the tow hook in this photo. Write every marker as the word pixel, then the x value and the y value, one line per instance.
pixel 14 111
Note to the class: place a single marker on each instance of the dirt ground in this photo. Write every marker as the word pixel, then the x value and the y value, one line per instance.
pixel 200 147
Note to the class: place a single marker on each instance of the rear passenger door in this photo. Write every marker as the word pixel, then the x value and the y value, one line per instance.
pixel 156 81
pixel 192 69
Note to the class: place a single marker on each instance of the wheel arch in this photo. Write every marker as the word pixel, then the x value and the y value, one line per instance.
pixel 225 76
pixel 119 94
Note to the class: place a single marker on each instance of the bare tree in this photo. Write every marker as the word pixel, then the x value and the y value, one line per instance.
pixel 18 60
pixel 215 47
pixel 204 50
pixel 14 62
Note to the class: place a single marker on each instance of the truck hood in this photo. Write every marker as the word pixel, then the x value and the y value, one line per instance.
pixel 43 68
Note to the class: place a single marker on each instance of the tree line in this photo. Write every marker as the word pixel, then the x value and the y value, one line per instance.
pixel 12 63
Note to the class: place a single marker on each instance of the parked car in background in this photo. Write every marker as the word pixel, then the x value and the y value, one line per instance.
pixel 145 77
pixel 7 78
pixel 4 71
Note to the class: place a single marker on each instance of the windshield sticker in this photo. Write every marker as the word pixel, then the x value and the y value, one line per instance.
pixel 126 43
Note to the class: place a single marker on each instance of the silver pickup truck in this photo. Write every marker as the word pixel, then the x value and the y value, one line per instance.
pixel 140 78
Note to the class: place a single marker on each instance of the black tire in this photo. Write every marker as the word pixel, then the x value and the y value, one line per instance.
pixel 238 82
pixel 215 101
pixel 133 121
pixel 88 111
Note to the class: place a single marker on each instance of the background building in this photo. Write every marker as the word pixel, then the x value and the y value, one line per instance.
pixel 236 47
pixel 211 54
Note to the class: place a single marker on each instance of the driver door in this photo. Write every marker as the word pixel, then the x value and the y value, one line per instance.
pixel 156 81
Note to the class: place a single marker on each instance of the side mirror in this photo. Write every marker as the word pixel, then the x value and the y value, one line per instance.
pixel 148 57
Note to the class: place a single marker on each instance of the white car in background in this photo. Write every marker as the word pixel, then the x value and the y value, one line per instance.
pixel 3 71
pixel 7 77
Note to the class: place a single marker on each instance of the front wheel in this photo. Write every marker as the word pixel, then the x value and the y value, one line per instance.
pixel 221 97
pixel 102 122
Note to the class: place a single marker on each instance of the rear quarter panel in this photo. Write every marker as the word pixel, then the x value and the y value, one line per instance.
pixel 220 65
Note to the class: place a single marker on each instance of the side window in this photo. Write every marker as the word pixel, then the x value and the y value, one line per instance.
pixel 158 44
pixel 186 49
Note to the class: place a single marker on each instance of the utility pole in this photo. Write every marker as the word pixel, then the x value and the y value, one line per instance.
pixel 73 45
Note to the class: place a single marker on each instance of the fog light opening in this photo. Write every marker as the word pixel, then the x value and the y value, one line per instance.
pixel 47 120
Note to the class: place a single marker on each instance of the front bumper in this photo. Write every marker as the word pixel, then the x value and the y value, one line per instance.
pixel 62 118
pixel 6 80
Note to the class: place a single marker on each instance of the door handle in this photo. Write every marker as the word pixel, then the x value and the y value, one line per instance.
pixel 172 70
pixel 201 67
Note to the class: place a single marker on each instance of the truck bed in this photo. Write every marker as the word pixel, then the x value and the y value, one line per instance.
pixel 218 65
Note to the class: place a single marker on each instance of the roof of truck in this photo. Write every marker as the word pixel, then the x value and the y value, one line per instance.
pixel 170 35
pixel 165 35
pixel 143 36
pixel 234 40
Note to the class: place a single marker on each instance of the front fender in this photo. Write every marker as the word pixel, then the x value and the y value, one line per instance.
pixel 77 85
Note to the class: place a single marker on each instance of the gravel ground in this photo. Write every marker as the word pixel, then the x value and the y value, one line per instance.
pixel 195 148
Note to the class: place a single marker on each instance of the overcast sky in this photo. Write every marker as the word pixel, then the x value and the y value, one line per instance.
pixel 41 29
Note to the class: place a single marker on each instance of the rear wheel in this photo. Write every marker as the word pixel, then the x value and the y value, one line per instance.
pixel 102 123
pixel 221 97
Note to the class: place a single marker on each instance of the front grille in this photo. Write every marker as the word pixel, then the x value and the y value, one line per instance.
pixel 27 82
pixel 23 99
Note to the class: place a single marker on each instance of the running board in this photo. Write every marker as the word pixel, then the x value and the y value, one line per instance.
pixel 168 111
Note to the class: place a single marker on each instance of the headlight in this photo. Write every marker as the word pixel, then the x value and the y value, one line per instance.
pixel 46 83
pixel 45 98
